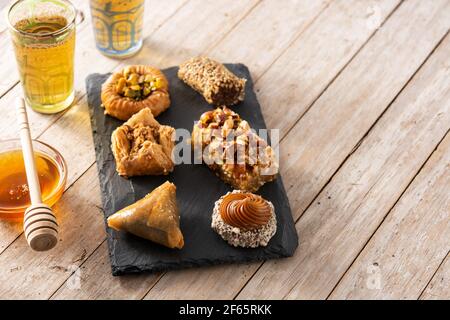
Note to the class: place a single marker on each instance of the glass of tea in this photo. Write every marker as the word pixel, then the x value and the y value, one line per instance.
pixel 43 35
pixel 118 26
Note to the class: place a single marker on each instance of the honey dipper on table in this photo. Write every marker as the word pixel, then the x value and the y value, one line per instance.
pixel 39 223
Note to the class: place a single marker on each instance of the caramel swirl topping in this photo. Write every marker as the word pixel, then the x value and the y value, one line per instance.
pixel 245 210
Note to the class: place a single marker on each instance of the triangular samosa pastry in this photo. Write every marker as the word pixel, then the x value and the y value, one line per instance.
pixel 155 217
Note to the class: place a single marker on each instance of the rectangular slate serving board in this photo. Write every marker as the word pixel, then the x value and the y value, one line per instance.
pixel 197 189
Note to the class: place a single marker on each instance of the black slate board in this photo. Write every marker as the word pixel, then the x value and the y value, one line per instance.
pixel 197 190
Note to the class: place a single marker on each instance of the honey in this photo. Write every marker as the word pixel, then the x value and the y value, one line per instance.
pixel 14 193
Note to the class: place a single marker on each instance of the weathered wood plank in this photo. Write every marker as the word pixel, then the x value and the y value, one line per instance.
pixel 402 256
pixel 347 212
pixel 28 274
pixel 10 76
pixel 266 33
pixel 71 135
pixel 439 287
pixel 74 129
pixel 186 35
pixel 338 20
pixel 319 143
pixel 315 59
pixel 218 282
pixel 95 273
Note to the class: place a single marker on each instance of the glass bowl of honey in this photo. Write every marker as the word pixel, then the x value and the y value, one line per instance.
pixel 14 193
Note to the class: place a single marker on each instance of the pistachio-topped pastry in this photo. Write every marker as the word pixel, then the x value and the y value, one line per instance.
pixel 134 88
pixel 137 86
pixel 244 219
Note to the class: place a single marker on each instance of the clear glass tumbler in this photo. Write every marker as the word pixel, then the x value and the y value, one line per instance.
pixel 118 26
pixel 43 35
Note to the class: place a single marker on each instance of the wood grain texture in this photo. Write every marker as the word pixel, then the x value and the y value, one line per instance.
pixel 439 286
pixel 219 282
pixel 27 275
pixel 343 217
pixel 186 35
pixel 72 137
pixel 339 19
pixel 357 97
pixel 404 253
pixel 317 57
pixel 266 32
pixel 95 273
pixel 38 122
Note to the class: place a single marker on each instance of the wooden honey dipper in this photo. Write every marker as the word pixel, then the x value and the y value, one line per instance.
pixel 39 223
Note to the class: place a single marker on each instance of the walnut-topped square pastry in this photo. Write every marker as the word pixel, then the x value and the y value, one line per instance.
pixel 142 146
pixel 233 151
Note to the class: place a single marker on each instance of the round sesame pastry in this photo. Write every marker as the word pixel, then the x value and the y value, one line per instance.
pixel 134 88
pixel 244 219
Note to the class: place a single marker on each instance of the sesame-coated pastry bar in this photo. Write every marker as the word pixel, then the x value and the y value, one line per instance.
pixel 217 84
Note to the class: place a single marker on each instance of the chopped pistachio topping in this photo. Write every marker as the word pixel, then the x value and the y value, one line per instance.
pixel 135 86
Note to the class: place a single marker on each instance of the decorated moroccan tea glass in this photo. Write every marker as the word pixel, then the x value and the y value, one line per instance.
pixel 118 26
pixel 43 35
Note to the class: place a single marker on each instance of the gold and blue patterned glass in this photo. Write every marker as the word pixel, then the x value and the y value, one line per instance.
pixel 118 26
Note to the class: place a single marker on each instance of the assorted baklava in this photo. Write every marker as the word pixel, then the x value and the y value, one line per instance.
pixel 225 142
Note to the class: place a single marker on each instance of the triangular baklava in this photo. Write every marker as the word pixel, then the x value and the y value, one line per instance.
pixel 155 217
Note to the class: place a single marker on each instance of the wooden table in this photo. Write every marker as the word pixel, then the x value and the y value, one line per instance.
pixel 360 90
